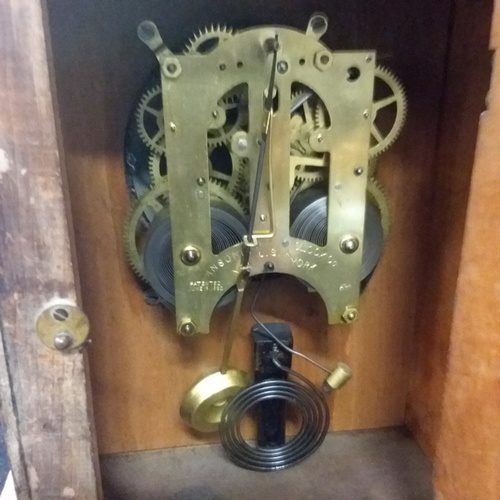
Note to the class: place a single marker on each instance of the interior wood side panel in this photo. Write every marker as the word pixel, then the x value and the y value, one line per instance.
pixel 140 368
pixel 464 99
pixel 468 453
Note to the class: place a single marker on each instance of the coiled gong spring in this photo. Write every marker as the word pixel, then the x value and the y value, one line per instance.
pixel 308 214
pixel 228 229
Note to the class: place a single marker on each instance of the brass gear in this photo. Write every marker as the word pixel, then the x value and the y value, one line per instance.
pixel 140 214
pixel 301 127
pixel 372 166
pixel 375 196
pixel 208 39
pixel 157 165
pixel 149 116
pixel 320 116
pixel 396 96
pixel 232 199
pixel 382 140
pixel 303 175
pixel 242 187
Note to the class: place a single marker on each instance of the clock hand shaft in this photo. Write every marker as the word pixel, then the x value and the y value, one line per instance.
pixel 268 110
pixel 244 274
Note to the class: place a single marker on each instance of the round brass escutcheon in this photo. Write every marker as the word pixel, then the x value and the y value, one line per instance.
pixel 62 327
pixel 203 404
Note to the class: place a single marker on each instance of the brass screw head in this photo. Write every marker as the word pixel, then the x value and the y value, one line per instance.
pixel 358 171
pixel 190 255
pixel 349 244
pixel 187 328
pixel 350 314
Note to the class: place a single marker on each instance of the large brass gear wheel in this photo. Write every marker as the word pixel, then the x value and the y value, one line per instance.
pixel 149 116
pixel 208 39
pixel 392 104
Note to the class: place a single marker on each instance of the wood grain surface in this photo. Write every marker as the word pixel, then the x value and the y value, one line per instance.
pixel 140 368
pixel 468 450
pixel 464 99
pixel 45 406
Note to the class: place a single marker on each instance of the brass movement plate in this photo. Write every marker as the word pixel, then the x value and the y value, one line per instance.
pixel 192 85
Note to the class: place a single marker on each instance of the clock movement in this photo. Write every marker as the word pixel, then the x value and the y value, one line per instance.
pixel 254 153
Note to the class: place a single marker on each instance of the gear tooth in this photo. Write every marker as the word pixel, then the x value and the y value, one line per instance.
pixel 139 113
pixel 127 237
pixel 376 193
pixel 218 189
pixel 204 33
pixel 154 169
pixel 133 218
pixel 310 177
pixel 391 80
pixel 372 166
pixel 319 116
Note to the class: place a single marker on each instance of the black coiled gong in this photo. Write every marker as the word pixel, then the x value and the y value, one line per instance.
pixel 308 214
pixel 227 230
